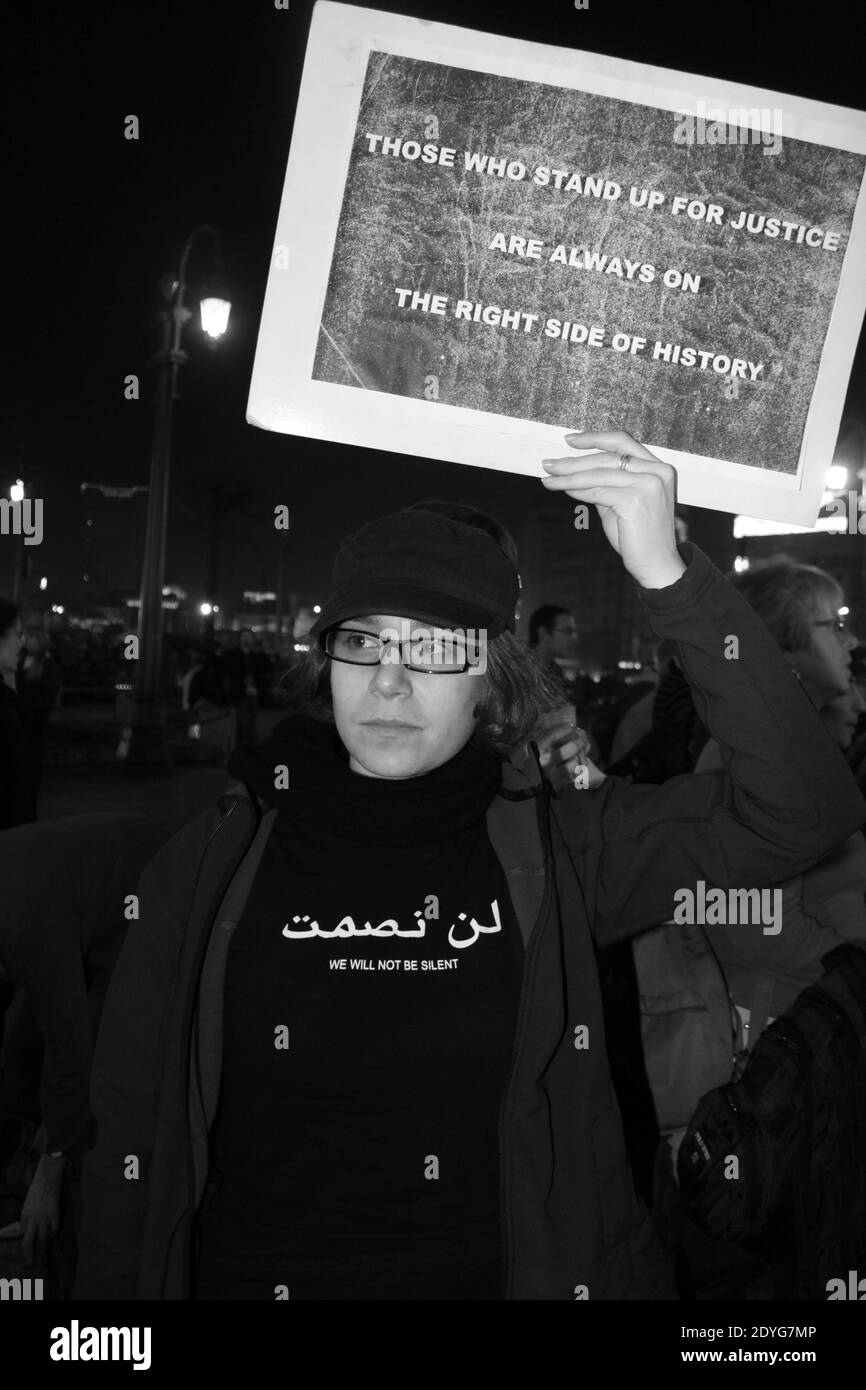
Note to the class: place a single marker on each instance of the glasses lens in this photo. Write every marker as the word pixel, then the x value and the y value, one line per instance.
pixel 351 644
pixel 437 653
pixel 428 652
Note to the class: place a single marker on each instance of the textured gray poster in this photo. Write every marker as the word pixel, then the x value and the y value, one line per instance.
pixel 483 243
pixel 572 259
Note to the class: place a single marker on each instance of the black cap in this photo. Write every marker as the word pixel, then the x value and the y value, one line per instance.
pixel 420 564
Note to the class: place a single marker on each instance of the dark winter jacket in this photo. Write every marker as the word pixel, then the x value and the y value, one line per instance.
pixel 17 792
pixel 63 915
pixel 602 864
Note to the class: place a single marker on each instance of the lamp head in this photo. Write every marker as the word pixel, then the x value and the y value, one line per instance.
pixel 214 316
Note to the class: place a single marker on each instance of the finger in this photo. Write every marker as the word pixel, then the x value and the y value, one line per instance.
pixel 554 731
pixel 11 1232
pixel 564 736
pixel 637 468
pixel 561 779
pixel 618 490
pixel 613 441
pixel 595 477
pixel 547 742
pixel 568 750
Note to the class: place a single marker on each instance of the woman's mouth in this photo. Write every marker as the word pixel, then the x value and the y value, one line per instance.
pixel 390 726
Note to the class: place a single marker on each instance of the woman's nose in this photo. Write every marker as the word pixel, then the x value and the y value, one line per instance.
pixel 390 676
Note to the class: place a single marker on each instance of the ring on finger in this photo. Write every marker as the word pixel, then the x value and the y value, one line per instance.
pixel 624 462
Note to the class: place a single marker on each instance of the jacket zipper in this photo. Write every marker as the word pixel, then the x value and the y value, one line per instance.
pixel 190 1165
pixel 506 1112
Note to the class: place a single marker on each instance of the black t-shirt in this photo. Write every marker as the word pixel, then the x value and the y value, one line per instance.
pixel 370 1006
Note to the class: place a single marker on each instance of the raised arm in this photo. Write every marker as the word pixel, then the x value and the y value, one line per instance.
pixel 787 797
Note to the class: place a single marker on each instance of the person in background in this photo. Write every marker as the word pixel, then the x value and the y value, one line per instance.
pixel 635 721
pixel 843 716
pixel 745 976
pixel 553 638
pixel 17 792
pixel 553 641
pixel 68 897
pixel 200 681
pixel 856 751
pixel 675 735
pixel 246 672
pixel 260 665
pixel 231 667
pixel 825 904
pixel 38 685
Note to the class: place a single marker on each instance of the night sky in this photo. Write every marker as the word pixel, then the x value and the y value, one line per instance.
pixel 93 221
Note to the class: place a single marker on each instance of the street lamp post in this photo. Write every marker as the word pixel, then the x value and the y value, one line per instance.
pixel 17 493
pixel 145 740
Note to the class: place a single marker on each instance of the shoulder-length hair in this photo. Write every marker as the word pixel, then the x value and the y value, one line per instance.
pixel 514 692
pixel 788 595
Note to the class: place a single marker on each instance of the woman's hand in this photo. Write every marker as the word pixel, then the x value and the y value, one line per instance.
pixel 563 751
pixel 636 506
pixel 40 1214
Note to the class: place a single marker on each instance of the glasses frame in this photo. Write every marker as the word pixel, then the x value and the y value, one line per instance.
pixel 365 632
pixel 837 624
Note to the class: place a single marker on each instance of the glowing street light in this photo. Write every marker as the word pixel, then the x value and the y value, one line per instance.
pixel 215 316
pixel 16 491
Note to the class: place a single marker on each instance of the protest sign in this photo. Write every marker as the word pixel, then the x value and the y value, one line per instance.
pixel 483 243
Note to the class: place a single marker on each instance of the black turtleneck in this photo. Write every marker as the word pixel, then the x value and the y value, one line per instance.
pixel 371 995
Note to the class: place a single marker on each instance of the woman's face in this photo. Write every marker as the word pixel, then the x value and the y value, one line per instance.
pixel 842 715
pixel 825 666
pixel 400 723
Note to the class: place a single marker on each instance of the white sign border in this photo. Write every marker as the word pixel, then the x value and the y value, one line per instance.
pixel 341 39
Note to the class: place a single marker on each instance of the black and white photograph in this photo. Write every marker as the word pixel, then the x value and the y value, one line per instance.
pixel 432 686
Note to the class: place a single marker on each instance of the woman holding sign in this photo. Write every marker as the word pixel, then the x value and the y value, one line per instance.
pixel 354 1047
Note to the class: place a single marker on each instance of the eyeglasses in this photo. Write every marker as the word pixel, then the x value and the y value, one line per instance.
pixel 436 652
pixel 837 624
